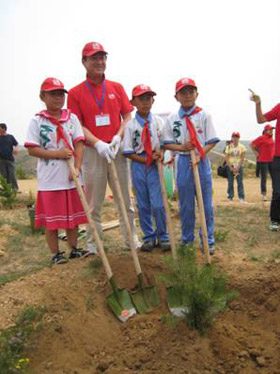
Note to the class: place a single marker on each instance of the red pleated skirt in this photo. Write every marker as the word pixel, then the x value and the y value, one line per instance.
pixel 59 209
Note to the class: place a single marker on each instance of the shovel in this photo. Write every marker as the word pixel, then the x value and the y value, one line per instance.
pixel 173 298
pixel 119 300
pixel 145 297
pixel 200 208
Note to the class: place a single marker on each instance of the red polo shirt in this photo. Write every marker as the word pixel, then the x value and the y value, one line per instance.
pixel 266 147
pixel 274 114
pixel 82 101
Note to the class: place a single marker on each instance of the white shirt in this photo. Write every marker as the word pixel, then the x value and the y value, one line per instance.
pixel 53 174
pixel 175 130
pixel 133 133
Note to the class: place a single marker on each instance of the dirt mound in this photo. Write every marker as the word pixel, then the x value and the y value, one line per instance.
pixel 81 336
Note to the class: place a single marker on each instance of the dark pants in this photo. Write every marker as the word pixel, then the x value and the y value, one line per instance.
pixel 240 186
pixel 264 168
pixel 275 202
pixel 7 169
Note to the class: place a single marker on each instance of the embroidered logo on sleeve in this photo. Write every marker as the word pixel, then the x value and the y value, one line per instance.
pixel 176 130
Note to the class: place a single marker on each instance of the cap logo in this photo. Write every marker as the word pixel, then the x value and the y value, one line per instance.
pixel 95 46
pixel 185 80
pixel 144 87
pixel 57 82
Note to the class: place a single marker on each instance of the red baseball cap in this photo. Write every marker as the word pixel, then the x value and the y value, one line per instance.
pixel 92 48
pixel 52 84
pixel 268 127
pixel 183 82
pixel 235 133
pixel 141 89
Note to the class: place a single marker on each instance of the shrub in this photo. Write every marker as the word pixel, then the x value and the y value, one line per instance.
pixel 13 341
pixel 7 193
pixel 21 173
pixel 202 290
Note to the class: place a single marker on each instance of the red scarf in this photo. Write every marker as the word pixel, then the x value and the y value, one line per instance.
pixel 146 140
pixel 65 116
pixel 193 138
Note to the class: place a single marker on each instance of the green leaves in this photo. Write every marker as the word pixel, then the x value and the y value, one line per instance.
pixel 202 289
pixel 7 194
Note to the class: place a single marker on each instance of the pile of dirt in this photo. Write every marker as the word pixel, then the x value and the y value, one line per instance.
pixel 81 336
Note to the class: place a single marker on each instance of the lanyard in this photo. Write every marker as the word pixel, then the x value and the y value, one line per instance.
pixel 99 103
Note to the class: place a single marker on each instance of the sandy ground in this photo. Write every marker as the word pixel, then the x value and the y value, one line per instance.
pixel 252 189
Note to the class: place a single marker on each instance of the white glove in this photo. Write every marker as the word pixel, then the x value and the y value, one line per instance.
pixel 115 144
pixel 104 150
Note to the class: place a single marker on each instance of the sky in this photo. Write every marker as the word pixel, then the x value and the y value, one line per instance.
pixel 225 46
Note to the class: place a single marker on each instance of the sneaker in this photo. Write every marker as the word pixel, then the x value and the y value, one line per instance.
pixel 211 249
pixel 274 226
pixel 58 258
pixel 164 245
pixel 148 246
pixel 242 201
pixel 78 252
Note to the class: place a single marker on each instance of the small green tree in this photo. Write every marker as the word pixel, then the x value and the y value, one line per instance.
pixel 7 194
pixel 202 290
pixel 21 173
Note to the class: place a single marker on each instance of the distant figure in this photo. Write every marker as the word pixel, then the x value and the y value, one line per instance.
pixel 235 156
pixel 264 148
pixel 8 148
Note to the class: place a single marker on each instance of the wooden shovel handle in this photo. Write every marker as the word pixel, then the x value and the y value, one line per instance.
pixel 125 217
pixel 90 220
pixel 200 207
pixel 167 211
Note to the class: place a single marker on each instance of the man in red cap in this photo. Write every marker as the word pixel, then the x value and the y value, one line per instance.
pixel 235 156
pixel 272 115
pixel 264 148
pixel 103 108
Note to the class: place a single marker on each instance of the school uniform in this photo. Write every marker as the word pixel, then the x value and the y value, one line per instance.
pixel 58 204
pixel 145 177
pixel 175 131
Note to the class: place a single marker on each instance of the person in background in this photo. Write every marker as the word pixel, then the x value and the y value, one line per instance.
pixel 103 109
pixel 272 115
pixel 235 157
pixel 8 148
pixel 264 148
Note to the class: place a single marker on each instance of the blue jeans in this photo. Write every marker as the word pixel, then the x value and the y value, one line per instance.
pixel 240 186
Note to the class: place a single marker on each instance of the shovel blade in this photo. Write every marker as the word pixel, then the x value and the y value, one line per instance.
pixel 174 302
pixel 145 299
pixel 121 305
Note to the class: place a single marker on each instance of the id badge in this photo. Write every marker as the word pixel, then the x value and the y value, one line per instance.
pixel 102 120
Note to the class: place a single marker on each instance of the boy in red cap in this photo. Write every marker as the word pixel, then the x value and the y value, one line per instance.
pixel 103 109
pixel 264 148
pixel 235 157
pixel 54 136
pixel 142 146
pixel 191 128
pixel 272 115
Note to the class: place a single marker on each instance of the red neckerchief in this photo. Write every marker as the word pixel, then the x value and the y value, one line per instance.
pixel 65 116
pixel 193 138
pixel 146 140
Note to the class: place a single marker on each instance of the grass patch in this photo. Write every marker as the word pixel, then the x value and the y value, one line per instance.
pixel 221 235
pixel 201 290
pixel 92 268
pixel 14 340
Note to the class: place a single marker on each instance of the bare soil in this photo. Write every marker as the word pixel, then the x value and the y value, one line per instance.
pixel 81 336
